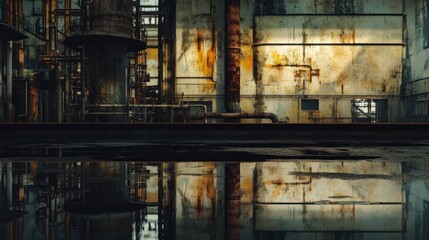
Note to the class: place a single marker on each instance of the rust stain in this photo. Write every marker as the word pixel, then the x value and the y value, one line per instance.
pixel 348 36
pixel 300 73
pixel 206 57
pixel 246 189
pixel 151 196
pixel 247 59
pixel 34 97
pixel 278 59
pixel 277 181
pixel 203 188
pixel 272 170
pixel 152 54
pixel 383 87
pixel 315 72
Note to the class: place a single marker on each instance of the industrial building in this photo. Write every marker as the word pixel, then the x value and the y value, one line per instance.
pixel 312 61
pixel 154 119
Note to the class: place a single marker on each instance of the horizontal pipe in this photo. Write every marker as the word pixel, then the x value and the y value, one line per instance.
pixel 322 96
pixel 195 77
pixel 255 45
pixel 139 105
pixel 293 96
pixel 270 116
pixel 335 15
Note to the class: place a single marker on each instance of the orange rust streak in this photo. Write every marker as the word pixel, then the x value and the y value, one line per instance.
pixel 152 197
pixel 247 61
pixel 206 58
pixel 246 189
pixel 152 54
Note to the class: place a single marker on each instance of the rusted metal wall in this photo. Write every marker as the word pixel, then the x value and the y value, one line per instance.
pixel 415 105
pixel 330 58
pixel 340 50
pixel 200 53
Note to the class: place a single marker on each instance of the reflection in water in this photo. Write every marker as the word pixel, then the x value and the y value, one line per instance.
pixel 270 200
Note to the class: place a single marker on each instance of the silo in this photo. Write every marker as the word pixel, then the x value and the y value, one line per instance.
pixel 107 35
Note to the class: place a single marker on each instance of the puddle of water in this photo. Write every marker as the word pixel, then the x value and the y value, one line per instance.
pixel 304 199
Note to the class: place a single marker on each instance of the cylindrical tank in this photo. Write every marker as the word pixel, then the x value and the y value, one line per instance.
pixel 104 211
pixel 106 80
pixel 111 17
pixel 105 40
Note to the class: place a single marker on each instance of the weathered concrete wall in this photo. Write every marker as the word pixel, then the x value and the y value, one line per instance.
pixel 415 105
pixel 351 56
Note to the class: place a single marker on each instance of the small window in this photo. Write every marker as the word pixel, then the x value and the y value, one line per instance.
pixel 369 110
pixel 310 104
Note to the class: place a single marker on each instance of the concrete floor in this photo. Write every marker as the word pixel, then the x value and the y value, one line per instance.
pixel 215 142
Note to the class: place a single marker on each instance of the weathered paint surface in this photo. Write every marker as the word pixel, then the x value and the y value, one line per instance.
pixel 326 57
pixel 328 182
pixel 415 106
pixel 199 56
pixel 327 6
pixel 197 203
pixel 335 58
pixel 294 197
pixel 387 217
pixel 328 29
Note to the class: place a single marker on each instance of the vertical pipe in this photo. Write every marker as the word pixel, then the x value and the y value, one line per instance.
pixel 9 83
pixel 20 26
pixel 67 7
pixel 169 51
pixel 2 117
pixel 232 201
pixel 232 58
pixel 9 185
pixel 82 80
pixel 67 69
pixel 58 90
pixel 161 234
pixel 171 205
pixel 1 179
pixel 54 82
pixel 160 50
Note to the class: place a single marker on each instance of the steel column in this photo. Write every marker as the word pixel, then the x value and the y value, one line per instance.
pixel 9 82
